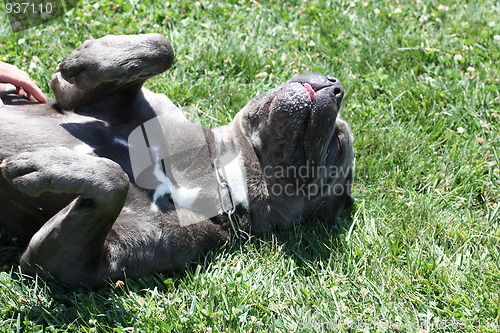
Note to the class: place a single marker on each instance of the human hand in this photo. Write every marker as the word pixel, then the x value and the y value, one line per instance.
pixel 25 86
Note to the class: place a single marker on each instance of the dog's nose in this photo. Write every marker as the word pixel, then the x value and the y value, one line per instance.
pixel 332 79
pixel 338 88
pixel 319 81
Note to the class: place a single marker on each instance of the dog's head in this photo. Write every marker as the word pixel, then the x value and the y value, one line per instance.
pixel 294 123
pixel 304 151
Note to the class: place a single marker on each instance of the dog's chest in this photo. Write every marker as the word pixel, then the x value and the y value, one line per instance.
pixel 99 137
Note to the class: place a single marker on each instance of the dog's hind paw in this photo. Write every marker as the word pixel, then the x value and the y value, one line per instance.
pixel 120 59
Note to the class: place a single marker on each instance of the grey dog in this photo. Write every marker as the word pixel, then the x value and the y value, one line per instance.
pixel 112 180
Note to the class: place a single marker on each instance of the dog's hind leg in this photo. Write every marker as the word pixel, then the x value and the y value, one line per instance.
pixel 115 63
pixel 70 246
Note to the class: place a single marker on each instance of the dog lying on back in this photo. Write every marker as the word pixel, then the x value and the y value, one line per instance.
pixel 112 180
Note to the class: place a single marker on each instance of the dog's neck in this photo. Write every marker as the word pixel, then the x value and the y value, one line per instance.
pixel 217 183
pixel 236 164
pixel 228 158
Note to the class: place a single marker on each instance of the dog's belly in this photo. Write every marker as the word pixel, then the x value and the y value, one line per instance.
pixel 21 131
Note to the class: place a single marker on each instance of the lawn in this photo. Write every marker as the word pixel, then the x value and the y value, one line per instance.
pixel 420 252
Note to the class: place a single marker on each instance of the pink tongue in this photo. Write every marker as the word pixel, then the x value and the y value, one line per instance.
pixel 311 91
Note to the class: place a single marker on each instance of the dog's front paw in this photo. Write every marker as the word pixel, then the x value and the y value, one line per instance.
pixel 61 170
pixel 119 59
pixel 23 173
pixel 34 173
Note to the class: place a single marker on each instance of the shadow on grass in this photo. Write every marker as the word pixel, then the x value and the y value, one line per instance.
pixel 10 249
pixel 49 303
pixel 314 240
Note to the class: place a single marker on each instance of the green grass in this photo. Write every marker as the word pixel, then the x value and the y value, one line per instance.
pixel 421 250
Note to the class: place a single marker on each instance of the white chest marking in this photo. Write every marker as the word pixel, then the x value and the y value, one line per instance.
pixel 183 197
pixel 120 141
pixel 154 207
pixel 84 148
pixel 127 210
pixel 165 186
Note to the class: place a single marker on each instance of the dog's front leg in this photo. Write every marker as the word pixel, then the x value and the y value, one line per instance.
pixel 70 246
